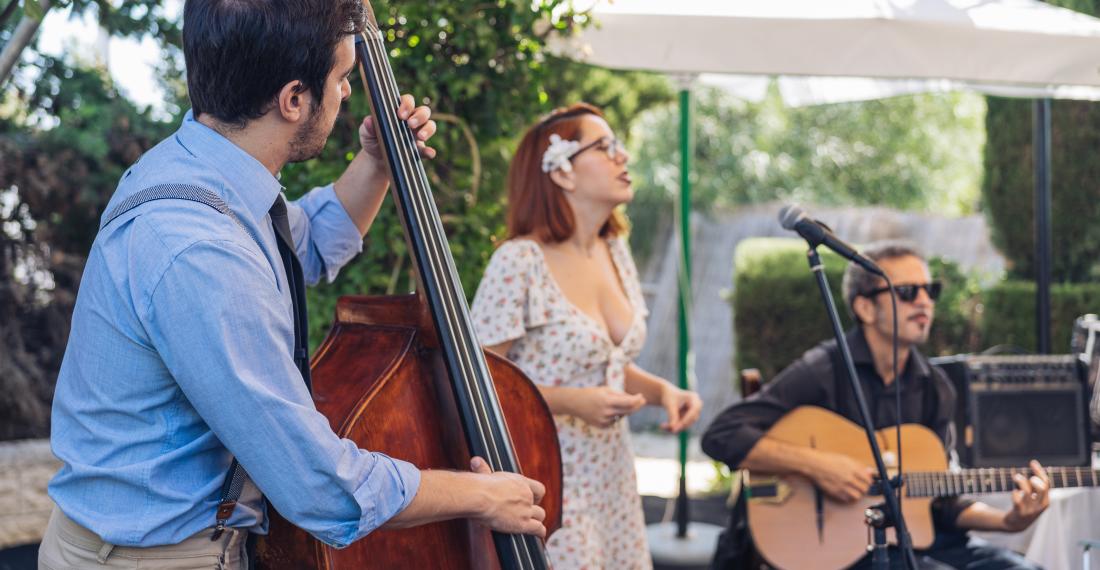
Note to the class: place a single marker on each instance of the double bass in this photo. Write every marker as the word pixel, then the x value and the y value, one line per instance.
pixel 404 375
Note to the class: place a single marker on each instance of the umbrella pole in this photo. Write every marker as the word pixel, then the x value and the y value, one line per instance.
pixel 1043 249
pixel 684 356
pixel 671 544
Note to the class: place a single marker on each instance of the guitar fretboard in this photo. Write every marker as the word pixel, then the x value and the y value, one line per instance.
pixel 992 480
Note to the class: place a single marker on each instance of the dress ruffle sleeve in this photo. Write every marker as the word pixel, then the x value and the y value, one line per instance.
pixel 512 296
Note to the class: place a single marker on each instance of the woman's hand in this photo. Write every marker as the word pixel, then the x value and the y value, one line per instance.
pixel 419 120
pixel 602 406
pixel 683 408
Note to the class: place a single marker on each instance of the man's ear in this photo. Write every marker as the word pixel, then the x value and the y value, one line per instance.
pixel 566 180
pixel 864 310
pixel 292 101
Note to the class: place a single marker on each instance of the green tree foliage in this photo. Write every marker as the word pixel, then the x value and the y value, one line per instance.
pixel 1009 185
pixel 864 153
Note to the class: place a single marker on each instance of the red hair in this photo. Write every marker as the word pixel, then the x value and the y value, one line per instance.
pixel 536 205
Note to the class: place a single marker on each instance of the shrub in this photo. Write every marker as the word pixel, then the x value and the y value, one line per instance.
pixel 1008 188
pixel 1009 315
pixel 777 310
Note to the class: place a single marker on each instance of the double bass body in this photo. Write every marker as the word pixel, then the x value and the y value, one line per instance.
pixel 379 379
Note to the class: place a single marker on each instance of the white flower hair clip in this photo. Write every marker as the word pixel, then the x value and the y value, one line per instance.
pixel 557 154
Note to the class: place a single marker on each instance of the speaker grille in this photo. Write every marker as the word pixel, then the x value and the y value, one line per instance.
pixel 1018 422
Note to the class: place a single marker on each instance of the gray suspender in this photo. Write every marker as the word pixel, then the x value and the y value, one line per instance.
pixel 177 192
pixel 234 480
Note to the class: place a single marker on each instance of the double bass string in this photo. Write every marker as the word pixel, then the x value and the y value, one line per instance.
pixel 406 154
pixel 420 201
pixel 473 361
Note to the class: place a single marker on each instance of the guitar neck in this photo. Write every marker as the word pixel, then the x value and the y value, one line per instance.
pixel 992 480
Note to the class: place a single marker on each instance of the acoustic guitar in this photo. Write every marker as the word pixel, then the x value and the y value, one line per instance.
pixel 795 525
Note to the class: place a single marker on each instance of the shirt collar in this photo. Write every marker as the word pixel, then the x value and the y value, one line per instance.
pixel 917 366
pixel 249 183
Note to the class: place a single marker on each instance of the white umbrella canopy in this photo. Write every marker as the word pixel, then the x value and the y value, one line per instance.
pixel 803 91
pixel 990 43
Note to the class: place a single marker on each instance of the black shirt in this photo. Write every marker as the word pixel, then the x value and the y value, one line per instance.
pixel 927 398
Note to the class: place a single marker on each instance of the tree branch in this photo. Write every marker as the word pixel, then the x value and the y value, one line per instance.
pixel 22 37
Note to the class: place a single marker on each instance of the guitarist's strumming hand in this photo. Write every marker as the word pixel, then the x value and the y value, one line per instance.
pixel 1029 500
pixel 841 477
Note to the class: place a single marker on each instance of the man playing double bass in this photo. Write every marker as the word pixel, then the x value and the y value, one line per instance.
pixel 187 348
pixel 736 437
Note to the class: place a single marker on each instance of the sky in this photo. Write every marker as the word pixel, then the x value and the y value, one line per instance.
pixel 132 63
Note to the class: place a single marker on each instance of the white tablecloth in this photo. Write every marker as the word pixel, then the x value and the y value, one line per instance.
pixel 1052 541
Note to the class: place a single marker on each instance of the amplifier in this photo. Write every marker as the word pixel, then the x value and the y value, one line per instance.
pixel 1015 408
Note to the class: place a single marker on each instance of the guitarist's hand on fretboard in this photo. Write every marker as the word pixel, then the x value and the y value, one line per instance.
pixel 1029 500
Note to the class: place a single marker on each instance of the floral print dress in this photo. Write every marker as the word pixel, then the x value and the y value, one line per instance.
pixel 557 344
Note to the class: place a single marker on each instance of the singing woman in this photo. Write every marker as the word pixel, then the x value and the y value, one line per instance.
pixel 561 298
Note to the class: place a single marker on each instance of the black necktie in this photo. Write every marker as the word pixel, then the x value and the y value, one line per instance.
pixel 296 279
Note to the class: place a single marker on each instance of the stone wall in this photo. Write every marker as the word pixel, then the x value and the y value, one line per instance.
pixel 26 466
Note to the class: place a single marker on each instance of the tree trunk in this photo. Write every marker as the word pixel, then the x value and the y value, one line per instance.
pixel 22 37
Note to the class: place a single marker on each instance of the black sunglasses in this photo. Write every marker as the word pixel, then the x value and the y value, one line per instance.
pixel 908 293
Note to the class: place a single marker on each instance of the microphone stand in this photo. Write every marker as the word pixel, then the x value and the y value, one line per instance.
pixel 877 518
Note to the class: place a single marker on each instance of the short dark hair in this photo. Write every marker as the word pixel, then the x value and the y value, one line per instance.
pixel 240 53
pixel 858 281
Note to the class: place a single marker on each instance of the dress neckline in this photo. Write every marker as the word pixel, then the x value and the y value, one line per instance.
pixel 605 332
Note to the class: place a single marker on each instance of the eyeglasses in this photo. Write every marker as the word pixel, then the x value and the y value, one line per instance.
pixel 908 293
pixel 611 145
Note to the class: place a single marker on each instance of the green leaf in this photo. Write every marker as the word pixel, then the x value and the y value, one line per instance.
pixel 32 9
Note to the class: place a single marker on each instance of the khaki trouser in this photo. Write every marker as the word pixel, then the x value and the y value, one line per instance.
pixel 69 545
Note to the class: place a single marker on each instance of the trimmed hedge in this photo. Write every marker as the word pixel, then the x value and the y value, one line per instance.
pixel 778 314
pixel 1008 188
pixel 1009 316
pixel 777 310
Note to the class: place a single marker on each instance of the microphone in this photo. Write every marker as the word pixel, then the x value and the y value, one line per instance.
pixel 816 233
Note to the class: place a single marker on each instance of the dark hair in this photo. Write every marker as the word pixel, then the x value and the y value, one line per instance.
pixel 536 205
pixel 240 53
pixel 859 281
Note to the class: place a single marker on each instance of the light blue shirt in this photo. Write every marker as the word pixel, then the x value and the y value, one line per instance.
pixel 180 358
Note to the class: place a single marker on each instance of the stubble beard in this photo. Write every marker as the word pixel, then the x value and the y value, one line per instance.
pixel 309 140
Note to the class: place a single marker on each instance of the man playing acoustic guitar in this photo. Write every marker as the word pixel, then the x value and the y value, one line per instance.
pixel 817 379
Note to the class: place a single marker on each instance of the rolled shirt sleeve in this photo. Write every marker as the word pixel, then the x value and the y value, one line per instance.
pixel 733 434
pixel 259 407
pixel 325 236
